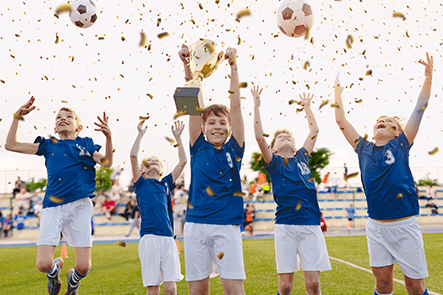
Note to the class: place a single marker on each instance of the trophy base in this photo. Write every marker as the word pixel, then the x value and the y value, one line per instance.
pixel 189 99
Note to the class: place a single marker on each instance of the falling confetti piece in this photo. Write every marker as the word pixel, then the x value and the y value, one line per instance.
pixel 150 95
pixel 335 105
pixel 323 103
pixel 399 196
pixel 146 163
pixel 121 244
pixel 239 40
pixel 141 118
pixel 398 14
pixel 192 21
pixel 63 8
pixel 56 39
pixel 190 206
pixel 53 139
pixel 306 65
pixel 313 137
pixel 200 5
pixel 368 72
pixel 200 110
pixel 163 35
pixel 179 114
pixel 297 111
pixel 292 101
pixel 220 255
pixel 176 145
pixel 365 137
pixel 210 47
pixel 242 85
pixel 209 191
pixel 54 199
pixel 434 151
pixel 298 205
pixel 285 161
pixel 265 135
pixel 311 178
pixel 359 101
pixel 3 81
pixel 217 1
pixel 142 39
pixel 231 91
pixel 308 30
pixel 351 175
pixel 170 139
pixel 238 159
pixel 239 194
pixel 159 20
pixel 64 101
pixel 19 117
pixel 242 13
pixel 123 38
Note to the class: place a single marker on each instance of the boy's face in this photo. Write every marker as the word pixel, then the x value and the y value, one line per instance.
pixel 65 121
pixel 217 129
pixel 283 141
pixel 150 165
pixel 387 127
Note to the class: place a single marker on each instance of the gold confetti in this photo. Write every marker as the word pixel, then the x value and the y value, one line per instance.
pixel 200 5
pixel 323 103
pixel 209 191
pixel 407 34
pixel 170 139
pixel 286 160
pixel 217 1
pixel 313 137
pixel 299 110
pixel 54 199
pixel 434 151
pixel 238 159
pixel 53 139
pixel 357 142
pixel 358 101
pixel 398 14
pixel 63 8
pixel 308 86
pixel 307 34
pixel 242 85
pixel 220 255
pixel 306 65
pixel 265 135
pixel 200 110
pixel 239 194
pixel 159 20
pixel 368 72
pixel 311 178
pixel 335 105
pixel 351 175
pixel 239 40
pixel 349 41
pixel 298 205
pixel 141 118
pixel 242 13
pixel 424 106
pixel 56 39
pixel 365 137
pixel 192 21
pixel 3 81
pixel 123 38
pixel 210 47
pixel 179 114
pixel 64 101
pixel 150 95
pixel 104 161
pixel 142 39
pixel 146 163
pixel 163 35
pixel 231 91
pixel 176 145
pixel 121 244
pixel 399 196
pixel 190 206
pixel 19 117
pixel 292 101
pixel 35 127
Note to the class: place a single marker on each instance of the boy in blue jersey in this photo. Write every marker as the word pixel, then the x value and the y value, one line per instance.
pixel 215 213
pixel 392 230
pixel 67 205
pixel 297 220
pixel 157 249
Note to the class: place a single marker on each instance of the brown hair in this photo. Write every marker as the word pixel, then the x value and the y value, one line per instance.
pixel 216 109
pixel 280 131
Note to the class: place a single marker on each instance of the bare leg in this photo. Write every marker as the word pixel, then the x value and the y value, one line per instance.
pixel 199 287
pixel 233 287
pixel 312 282
pixel 82 260
pixel 384 282
pixel 170 288
pixel 153 290
pixel 415 286
pixel 45 256
pixel 285 283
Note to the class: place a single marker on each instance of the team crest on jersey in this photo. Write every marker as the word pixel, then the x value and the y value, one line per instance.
pixel 82 151
pixel 303 168
pixel 229 158
pixel 389 157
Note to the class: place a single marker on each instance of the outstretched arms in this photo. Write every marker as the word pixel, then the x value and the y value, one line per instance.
pixel 177 130
pixel 235 114
pixel 134 151
pixel 348 130
pixel 414 121
pixel 258 127
pixel 313 127
pixel 11 140
pixel 103 126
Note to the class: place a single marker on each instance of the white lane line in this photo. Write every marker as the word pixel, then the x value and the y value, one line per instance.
pixel 370 271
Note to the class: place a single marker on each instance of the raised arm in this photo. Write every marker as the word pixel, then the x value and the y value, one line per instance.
pixel 313 127
pixel 107 159
pixel 348 130
pixel 414 121
pixel 177 130
pixel 134 151
pixel 195 122
pixel 11 140
pixel 235 114
pixel 258 127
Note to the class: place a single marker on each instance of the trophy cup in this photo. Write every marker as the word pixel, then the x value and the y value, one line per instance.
pixel 205 57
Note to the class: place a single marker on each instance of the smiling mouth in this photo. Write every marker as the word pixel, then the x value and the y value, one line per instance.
pixel 381 126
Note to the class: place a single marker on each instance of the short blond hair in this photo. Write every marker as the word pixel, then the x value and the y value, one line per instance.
pixel 399 120
pixel 145 162
pixel 73 112
pixel 277 133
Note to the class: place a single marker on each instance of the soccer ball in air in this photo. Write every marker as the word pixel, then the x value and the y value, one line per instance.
pixel 294 17
pixel 83 13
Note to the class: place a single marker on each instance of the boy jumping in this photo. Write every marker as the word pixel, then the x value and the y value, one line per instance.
pixel 67 205
pixel 392 230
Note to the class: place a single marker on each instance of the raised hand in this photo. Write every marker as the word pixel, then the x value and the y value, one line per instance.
pixel 306 100
pixel 26 108
pixel 429 65
pixel 140 128
pixel 103 125
pixel 177 128
pixel 185 54
pixel 256 91
pixel 231 55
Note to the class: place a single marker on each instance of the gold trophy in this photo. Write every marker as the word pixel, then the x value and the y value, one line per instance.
pixel 205 57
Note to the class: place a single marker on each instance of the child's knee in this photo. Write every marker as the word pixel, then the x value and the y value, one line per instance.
pixel 83 268
pixel 153 290
pixel 170 289
pixel 285 287
pixel 43 265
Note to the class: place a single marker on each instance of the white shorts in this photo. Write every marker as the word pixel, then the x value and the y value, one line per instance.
pixel 300 243
pixel 203 242
pixel 159 260
pixel 72 219
pixel 397 242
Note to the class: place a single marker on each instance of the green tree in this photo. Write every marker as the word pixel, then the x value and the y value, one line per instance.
pixel 32 186
pixel 257 165
pixel 103 179
pixel 427 182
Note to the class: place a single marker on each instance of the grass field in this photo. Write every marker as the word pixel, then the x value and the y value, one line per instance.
pixel 116 270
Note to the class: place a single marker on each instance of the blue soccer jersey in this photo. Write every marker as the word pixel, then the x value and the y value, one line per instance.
pixel 155 203
pixel 70 167
pixel 295 195
pixel 387 179
pixel 215 177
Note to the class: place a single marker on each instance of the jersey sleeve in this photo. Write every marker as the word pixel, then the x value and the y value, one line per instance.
pixel 272 165
pixel 91 146
pixel 138 183
pixel 197 144
pixel 403 142
pixel 239 151
pixel 42 146
pixel 303 154
pixel 360 145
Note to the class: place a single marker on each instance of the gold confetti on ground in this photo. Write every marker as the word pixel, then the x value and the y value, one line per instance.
pixel 142 39
pixel 220 255
pixel 104 161
pixel 349 41
pixel 242 13
pixel 54 199
pixel 351 175
pixel 63 8
pixel 170 139
pixel 399 196
pixel 163 35
pixel 141 118
pixel 298 205
pixel 265 135
pixel 121 244
pixel 398 14
pixel 239 194
pixel 323 103
pixel 19 117
pixel 209 191
pixel 434 151
pixel 179 114
pixel 286 160
pixel 311 178
pixel 242 85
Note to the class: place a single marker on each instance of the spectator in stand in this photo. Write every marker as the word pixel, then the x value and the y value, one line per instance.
pixel 182 218
pixel 98 201
pixel 324 183
pixel 7 225
pixel 323 225
pixel 134 217
pixel 131 189
pixel 116 193
pixel 179 192
pixel 334 182
pixel 128 209
pixel 22 201
pixel 430 193
pixel 245 187
pixel 19 184
pixel 20 220
pixel 351 212
pixel 108 207
pixel 249 219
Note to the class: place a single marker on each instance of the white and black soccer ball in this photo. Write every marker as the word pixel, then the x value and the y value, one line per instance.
pixel 83 13
pixel 294 17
